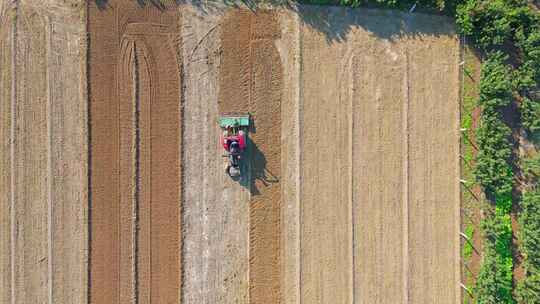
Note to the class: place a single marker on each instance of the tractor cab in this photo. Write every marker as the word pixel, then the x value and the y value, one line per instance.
pixel 233 139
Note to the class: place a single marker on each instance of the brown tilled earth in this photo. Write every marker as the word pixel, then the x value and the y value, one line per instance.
pixel 351 187
pixel 135 112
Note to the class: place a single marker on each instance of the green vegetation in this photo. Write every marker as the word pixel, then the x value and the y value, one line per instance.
pixel 493 170
pixel 494 282
pixel 494 173
pixel 468 104
pixel 528 290
pixel 467 247
pixel 531 167
pixel 490 23
pixel 530 114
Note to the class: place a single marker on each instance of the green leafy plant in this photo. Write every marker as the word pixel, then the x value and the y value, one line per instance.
pixel 493 171
pixel 486 22
pixel 495 83
pixel 528 290
pixel 494 282
pixel 530 114
pixel 531 166
pixel 467 247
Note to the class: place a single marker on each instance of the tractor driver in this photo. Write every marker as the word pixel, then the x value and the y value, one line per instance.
pixel 234 147
pixel 235 144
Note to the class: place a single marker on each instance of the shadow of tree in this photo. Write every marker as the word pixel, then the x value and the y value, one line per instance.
pixel 334 21
pixel 203 5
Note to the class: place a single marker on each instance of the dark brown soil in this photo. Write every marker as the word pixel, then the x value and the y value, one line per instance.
pixel 134 83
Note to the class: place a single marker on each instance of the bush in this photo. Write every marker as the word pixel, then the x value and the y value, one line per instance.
pixel 486 22
pixel 494 282
pixel 530 226
pixel 492 170
pixel 529 289
pixel 495 82
pixel 530 114
pixel 531 167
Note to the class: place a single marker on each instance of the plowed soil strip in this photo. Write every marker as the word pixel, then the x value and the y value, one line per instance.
pixel 135 154
pixel 251 80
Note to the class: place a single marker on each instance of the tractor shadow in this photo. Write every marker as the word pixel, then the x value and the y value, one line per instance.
pixel 255 172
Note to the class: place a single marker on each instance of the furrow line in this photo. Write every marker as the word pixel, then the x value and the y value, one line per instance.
pixel 405 191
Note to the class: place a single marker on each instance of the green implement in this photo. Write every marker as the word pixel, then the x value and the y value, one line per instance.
pixel 234 120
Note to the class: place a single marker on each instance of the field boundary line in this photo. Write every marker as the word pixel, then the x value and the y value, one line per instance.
pixel 351 90
pixel 300 144
pixel 13 129
pixel 48 107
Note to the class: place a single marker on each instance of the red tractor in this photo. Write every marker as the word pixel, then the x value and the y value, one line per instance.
pixel 234 141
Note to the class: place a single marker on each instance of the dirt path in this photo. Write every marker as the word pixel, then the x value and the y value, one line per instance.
pixel 136 144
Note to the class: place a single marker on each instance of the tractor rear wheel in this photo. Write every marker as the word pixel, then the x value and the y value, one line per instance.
pixel 233 171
